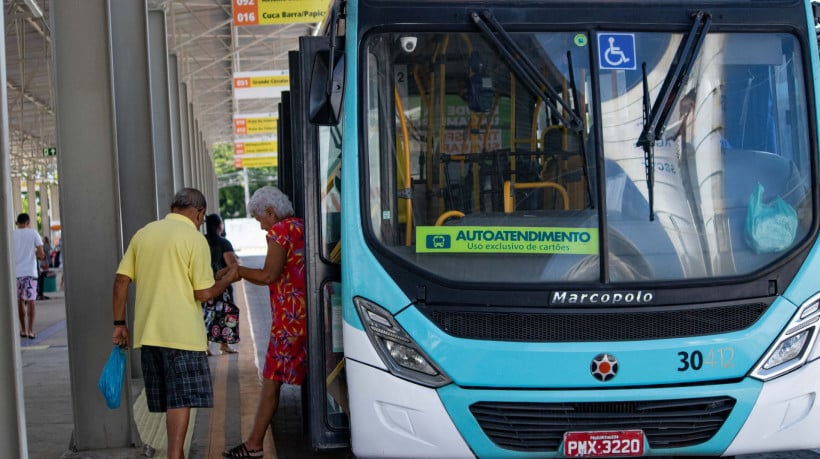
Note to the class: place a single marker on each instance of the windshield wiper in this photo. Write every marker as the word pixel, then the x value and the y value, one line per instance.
pixel 648 146
pixel 656 115
pixel 526 71
pixel 581 143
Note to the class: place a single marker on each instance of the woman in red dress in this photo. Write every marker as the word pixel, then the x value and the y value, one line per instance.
pixel 284 274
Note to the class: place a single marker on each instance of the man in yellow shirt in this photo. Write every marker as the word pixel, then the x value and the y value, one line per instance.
pixel 170 262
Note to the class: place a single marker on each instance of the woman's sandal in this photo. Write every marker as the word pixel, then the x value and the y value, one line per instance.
pixel 241 451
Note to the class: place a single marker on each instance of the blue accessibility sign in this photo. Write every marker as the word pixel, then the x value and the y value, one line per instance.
pixel 616 51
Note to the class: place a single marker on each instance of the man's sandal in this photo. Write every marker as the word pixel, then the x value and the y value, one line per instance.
pixel 241 451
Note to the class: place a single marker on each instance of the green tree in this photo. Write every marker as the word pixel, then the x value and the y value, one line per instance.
pixel 231 181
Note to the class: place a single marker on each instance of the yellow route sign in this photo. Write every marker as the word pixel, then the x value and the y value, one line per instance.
pixel 254 124
pixel 262 12
pixel 255 147
pixel 260 84
pixel 250 161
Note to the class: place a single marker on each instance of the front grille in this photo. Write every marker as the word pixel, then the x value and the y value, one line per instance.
pixel 594 325
pixel 540 427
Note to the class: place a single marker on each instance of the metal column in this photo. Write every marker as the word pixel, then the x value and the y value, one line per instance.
pixel 135 141
pixel 196 178
pixel 189 171
pixel 86 138
pixel 16 187
pixel 31 197
pixel 45 218
pixel 184 133
pixel 13 412
pixel 161 111
pixel 176 132
pixel 55 203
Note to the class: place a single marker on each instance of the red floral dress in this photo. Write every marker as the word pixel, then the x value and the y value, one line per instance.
pixel 286 359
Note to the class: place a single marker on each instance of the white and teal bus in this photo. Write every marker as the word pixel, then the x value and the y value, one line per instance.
pixel 543 228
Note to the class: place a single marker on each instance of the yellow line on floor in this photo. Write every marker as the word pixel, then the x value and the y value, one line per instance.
pixel 38 347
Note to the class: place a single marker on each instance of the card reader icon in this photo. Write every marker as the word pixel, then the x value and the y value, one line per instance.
pixel 438 241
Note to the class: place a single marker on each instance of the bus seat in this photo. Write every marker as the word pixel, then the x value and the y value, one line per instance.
pixel 563 150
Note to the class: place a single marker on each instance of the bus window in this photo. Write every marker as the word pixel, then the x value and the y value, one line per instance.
pixel 458 140
pixel 741 121
pixel 337 409
pixel 484 168
pixel 330 161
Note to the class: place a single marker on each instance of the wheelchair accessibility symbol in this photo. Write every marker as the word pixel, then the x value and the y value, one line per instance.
pixel 616 51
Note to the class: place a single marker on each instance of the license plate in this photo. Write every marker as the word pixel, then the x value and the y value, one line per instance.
pixel 617 443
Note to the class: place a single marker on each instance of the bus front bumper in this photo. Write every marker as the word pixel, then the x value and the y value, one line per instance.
pixel 785 416
pixel 391 417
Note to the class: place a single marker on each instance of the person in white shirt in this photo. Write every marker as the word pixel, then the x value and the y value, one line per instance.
pixel 28 248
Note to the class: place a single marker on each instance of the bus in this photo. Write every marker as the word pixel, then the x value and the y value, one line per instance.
pixel 544 228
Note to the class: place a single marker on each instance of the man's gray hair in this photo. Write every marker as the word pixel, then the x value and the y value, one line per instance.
pixel 189 197
pixel 270 197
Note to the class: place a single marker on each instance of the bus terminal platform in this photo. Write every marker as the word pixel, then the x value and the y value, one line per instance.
pixel 49 414
pixel 235 377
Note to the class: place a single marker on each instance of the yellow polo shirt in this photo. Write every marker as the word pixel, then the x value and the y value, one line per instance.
pixel 168 259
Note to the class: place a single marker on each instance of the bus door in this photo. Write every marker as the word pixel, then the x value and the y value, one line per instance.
pixel 317 150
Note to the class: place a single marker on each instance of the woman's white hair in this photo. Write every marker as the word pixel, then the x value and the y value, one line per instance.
pixel 270 197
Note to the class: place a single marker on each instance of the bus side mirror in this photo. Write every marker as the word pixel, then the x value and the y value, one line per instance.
pixel 327 81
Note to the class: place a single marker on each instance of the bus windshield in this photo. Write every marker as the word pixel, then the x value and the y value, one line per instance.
pixel 518 162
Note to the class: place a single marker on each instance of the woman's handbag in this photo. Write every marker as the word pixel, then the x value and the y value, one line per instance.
pixel 222 321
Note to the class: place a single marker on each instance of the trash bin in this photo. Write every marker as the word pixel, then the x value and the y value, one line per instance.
pixel 50 282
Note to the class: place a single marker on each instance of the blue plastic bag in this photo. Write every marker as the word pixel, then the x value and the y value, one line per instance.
pixel 113 373
pixel 769 227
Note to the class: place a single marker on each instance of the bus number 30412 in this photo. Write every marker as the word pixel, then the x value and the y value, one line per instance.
pixel 695 360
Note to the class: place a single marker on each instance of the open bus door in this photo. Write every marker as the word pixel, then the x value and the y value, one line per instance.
pixel 315 162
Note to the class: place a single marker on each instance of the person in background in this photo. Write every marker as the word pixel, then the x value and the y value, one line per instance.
pixel 44 264
pixel 222 256
pixel 170 263
pixel 284 274
pixel 28 249
pixel 56 254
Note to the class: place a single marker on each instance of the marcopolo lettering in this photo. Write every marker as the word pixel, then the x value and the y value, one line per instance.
pixel 595 297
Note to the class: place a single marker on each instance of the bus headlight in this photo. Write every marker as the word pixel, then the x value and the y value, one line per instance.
pixel 795 346
pixel 402 356
pixel 788 349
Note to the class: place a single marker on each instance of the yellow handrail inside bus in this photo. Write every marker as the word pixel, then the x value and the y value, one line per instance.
pixel 336 253
pixel 509 187
pixel 427 105
pixel 333 374
pixel 408 181
pixel 331 180
pixel 450 213
pixel 441 51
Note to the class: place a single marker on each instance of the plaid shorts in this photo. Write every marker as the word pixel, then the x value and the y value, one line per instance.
pixel 176 379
